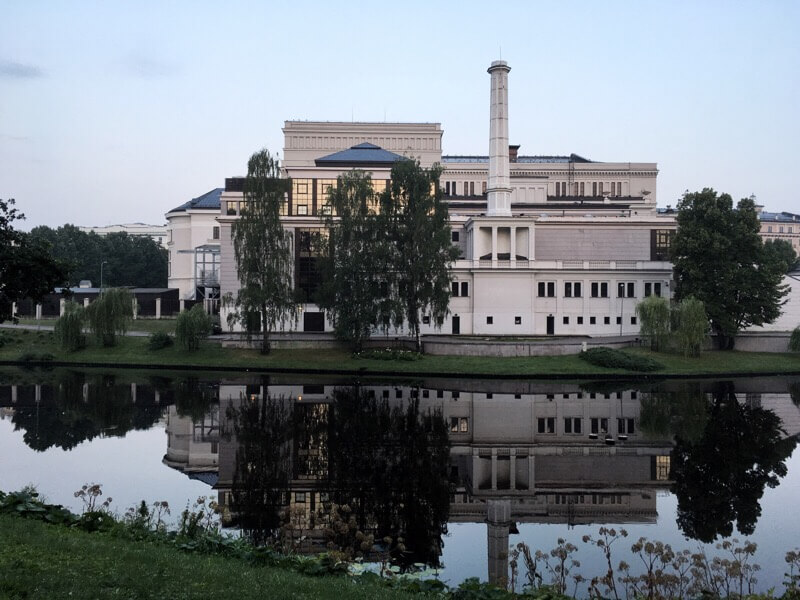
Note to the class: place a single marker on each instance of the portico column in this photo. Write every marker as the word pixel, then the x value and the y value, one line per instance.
pixel 513 469
pixel 513 243
pixel 494 469
pixel 494 243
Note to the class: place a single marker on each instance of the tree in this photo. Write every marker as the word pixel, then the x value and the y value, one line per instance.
pixel 782 252
pixel 415 221
pixel 654 316
pixel 355 261
pixel 192 327
pixel 26 268
pixel 720 259
pixel 262 250
pixel 110 315
pixel 68 330
pixel 691 326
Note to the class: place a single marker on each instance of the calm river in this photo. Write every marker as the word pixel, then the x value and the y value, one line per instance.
pixel 450 473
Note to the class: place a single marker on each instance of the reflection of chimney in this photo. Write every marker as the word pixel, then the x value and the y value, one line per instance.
pixel 512 153
pixel 499 197
pixel 498 523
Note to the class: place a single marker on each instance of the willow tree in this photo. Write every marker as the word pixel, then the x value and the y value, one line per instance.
pixel 355 261
pixel 415 221
pixel 262 250
pixel 654 316
pixel 110 315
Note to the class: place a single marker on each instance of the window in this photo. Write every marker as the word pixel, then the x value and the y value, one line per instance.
pixel 580 320
pixel 455 395
pixel 572 289
pixel 662 468
pixel 426 319
pixel 594 188
pixel 489 396
pixel 652 288
pixel 398 393
pixel 459 425
pixel 426 393
pixel 626 289
pixel 547 289
pixel 789 230
pixel 546 425
pixel 633 320
pixel 572 425
pixel 625 426
pixel 600 188
pixel 455 288
pixel 230 208
pixel 619 320
pixel 582 188
pixel 299 496
pixel 592 320
pixel 440 393
pixel 302 196
pixel 489 320
pixel 471 188
pixel 446 188
pixel 454 236
pixel 566 320
pixel 599 289
pixel 780 229
pixel 660 241
pixel 484 188
pixel 606 320
pixel 385 393
pixel 517 320
pixel 465 288
pixel 215 233
pixel 599 425
pixel 619 188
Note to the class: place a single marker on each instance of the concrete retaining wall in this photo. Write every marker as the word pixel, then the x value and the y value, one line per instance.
pixel 494 347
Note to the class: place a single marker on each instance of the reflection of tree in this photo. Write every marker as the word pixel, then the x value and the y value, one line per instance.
pixel 386 467
pixel 193 397
pixel 80 407
pixel 720 477
pixel 667 415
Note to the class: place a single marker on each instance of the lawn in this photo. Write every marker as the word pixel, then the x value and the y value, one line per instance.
pixel 145 325
pixel 41 561
pixel 134 351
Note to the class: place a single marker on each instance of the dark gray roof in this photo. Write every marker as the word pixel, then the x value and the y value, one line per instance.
pixel 208 201
pixel 520 159
pixel 781 217
pixel 365 154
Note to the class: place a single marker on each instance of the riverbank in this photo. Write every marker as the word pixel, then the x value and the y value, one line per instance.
pixel 38 560
pixel 31 347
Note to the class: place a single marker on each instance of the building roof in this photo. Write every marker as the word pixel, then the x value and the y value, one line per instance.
pixel 574 158
pixel 208 201
pixel 781 217
pixel 364 154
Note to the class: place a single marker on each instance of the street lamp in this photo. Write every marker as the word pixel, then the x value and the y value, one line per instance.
pixel 101 275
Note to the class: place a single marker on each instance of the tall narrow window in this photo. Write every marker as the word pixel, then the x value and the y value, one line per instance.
pixel 465 288
pixel 594 188
pixel 600 187
pixel 619 188
pixel 455 288
pixel 471 188
pixel 568 289
pixel 582 188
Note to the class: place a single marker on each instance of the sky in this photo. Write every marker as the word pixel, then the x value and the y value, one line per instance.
pixel 117 112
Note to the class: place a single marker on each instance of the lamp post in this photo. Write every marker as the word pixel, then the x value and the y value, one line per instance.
pixel 101 275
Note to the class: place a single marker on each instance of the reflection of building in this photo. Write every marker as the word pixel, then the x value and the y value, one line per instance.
pixel 193 445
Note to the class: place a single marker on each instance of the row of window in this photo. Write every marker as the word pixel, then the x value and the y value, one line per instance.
pixel 415 393
pixel 574 425
pixel 789 229
pixel 466 188
pixel 598 289
pixel 579 188
pixel 566 320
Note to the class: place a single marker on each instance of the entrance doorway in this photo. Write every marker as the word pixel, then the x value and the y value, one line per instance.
pixel 456 325
pixel 551 325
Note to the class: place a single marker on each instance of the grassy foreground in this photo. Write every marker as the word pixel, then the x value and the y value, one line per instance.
pixel 44 561
pixel 134 351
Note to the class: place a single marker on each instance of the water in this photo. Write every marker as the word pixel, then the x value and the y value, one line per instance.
pixel 460 470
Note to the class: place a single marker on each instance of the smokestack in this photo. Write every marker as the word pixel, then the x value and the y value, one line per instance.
pixel 499 190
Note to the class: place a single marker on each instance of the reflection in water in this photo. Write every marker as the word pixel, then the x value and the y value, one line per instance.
pixel 346 471
pixel 384 468
pixel 720 475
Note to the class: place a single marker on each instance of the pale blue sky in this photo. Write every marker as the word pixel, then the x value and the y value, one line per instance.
pixel 113 112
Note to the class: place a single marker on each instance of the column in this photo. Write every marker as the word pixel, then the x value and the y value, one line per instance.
pixel 513 469
pixel 85 302
pixel 494 469
pixel 14 394
pixel 38 312
pixel 13 309
pixel 133 393
pixel 135 309
pixel 513 245
pixel 61 303
pixel 494 244
pixel 182 303
pixel 158 308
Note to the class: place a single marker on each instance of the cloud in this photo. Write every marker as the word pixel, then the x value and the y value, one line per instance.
pixel 16 70
pixel 145 67
pixel 14 138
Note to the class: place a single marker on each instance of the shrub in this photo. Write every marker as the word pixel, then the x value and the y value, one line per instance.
pixel 159 340
pixel 794 341
pixel 110 315
pixel 691 326
pixel 69 328
pixel 653 314
pixel 616 359
pixel 389 354
pixel 192 327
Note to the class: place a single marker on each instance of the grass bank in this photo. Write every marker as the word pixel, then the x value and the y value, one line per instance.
pixel 44 561
pixel 134 352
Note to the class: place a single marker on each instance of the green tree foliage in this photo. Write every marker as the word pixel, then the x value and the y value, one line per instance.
pixel 415 221
pixel 355 263
pixel 110 315
pixel 654 317
pixel 720 259
pixel 691 326
pixel 69 328
pixel 782 252
pixel 26 268
pixel 794 340
pixel 721 477
pixel 136 261
pixel 192 327
pixel 262 250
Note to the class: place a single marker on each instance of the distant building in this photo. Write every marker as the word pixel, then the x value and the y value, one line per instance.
pixel 780 226
pixel 158 233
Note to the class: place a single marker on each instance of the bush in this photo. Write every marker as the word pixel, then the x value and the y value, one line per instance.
pixel 159 340
pixel 69 328
pixel 616 359
pixel 110 315
pixel 794 341
pixel 192 327
pixel 653 314
pixel 691 326
pixel 389 354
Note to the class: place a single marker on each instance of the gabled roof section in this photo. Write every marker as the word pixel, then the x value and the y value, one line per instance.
pixel 360 155
pixel 208 201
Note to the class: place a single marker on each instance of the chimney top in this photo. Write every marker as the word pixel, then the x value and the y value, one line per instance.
pixel 512 152
pixel 498 64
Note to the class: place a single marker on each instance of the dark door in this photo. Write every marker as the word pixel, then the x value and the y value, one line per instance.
pixel 456 325
pixel 313 321
pixel 551 325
